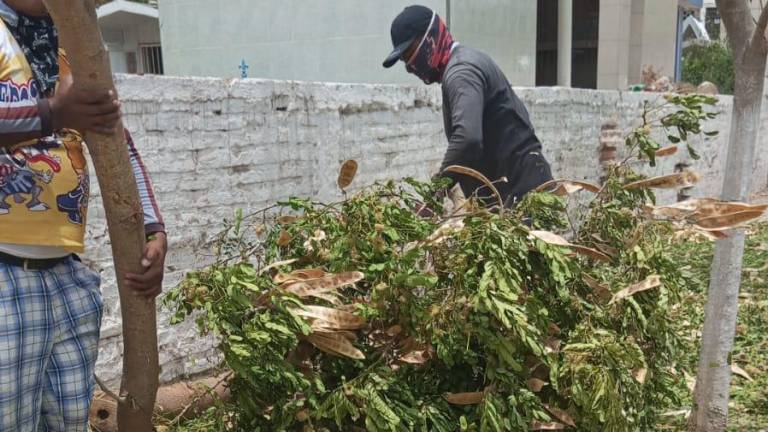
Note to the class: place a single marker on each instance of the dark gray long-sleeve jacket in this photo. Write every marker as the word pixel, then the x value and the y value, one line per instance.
pixel 488 128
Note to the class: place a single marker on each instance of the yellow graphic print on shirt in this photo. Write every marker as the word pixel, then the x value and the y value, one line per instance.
pixel 43 182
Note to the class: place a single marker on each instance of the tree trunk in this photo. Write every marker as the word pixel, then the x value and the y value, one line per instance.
pixel 710 411
pixel 80 36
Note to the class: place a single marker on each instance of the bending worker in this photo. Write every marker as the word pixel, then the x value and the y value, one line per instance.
pixel 487 125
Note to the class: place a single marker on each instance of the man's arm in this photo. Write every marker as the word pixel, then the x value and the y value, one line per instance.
pixel 150 283
pixel 464 90
pixel 69 108
pixel 153 220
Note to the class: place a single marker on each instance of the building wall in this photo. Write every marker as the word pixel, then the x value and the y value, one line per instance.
pixel 614 44
pixel 329 40
pixel 216 145
pixel 136 31
pixel 659 37
pixel 506 30
pixel 635 34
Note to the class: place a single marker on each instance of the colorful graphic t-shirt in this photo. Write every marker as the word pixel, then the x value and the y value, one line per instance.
pixel 43 183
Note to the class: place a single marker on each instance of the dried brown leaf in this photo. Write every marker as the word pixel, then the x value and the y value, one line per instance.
pixel 335 319
pixel 335 345
pixel 666 151
pixel 727 221
pixel 444 231
pixel 348 335
pixel 320 285
pixel 347 174
pixel 713 234
pixel 561 415
pixel 394 330
pixel 552 345
pixel 608 250
pixel 672 181
pixel 416 357
pixel 602 291
pixel 309 273
pixel 737 370
pixel 640 374
pixel 567 187
pixel 550 238
pixel 330 297
pixel 592 253
pixel 284 238
pixel 287 220
pixel 649 283
pixel 276 264
pixel 553 328
pixel 470 398
pixel 456 169
pixel 721 208
pixel 298 275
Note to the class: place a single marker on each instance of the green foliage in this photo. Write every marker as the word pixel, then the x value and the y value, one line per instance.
pixel 678 126
pixel 468 305
pixel 712 62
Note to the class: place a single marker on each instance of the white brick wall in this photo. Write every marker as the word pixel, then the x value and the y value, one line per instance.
pixel 215 145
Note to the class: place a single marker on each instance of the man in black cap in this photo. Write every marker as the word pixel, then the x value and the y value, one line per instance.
pixel 487 126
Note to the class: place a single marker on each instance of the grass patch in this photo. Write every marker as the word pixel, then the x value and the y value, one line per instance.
pixel 749 399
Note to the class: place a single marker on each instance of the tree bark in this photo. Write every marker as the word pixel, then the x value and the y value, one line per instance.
pixel 80 36
pixel 710 410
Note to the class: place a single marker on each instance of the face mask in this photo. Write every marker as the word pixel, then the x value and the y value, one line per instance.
pixel 432 55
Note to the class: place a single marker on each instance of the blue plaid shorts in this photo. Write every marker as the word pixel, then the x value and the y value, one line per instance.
pixel 49 335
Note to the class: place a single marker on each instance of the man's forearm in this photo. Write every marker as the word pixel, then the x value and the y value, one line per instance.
pixel 153 220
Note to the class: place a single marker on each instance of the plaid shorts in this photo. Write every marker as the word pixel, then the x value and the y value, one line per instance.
pixel 49 335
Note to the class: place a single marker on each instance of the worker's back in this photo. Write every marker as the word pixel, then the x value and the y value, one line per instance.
pixel 510 147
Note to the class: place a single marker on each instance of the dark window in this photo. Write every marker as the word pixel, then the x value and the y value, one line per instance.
pixel 586 20
pixel 152 59
pixel 712 23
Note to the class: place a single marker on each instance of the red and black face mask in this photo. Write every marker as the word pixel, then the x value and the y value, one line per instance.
pixel 432 55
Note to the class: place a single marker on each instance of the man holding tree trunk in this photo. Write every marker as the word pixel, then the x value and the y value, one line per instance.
pixel 50 303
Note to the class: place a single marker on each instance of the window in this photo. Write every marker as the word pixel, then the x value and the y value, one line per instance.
pixel 152 59
pixel 712 22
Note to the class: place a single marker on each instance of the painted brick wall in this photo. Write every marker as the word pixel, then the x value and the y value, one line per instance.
pixel 215 145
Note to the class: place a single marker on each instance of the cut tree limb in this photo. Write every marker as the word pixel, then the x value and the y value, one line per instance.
pixel 175 402
pixel 81 38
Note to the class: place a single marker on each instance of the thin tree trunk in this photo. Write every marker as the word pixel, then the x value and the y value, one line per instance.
pixel 80 36
pixel 710 411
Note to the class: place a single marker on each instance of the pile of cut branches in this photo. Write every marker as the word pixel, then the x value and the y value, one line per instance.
pixel 361 315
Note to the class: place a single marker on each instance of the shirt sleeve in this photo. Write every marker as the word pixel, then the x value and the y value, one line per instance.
pixel 466 98
pixel 24 120
pixel 153 220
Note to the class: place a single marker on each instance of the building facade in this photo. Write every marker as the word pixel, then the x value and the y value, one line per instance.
pixel 331 40
pixel 602 44
pixel 131 32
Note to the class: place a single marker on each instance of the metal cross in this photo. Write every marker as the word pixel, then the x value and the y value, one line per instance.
pixel 243 69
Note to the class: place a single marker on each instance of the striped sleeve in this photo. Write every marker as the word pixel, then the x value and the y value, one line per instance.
pixel 27 119
pixel 153 220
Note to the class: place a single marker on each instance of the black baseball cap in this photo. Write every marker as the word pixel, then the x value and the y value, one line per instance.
pixel 411 24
